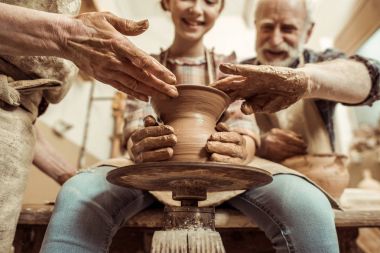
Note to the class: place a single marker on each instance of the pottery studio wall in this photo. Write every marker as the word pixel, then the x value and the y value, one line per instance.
pixel 233 31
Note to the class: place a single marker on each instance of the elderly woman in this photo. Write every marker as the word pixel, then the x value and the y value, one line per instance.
pixel 31 77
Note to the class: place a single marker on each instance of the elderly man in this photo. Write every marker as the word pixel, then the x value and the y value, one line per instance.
pixel 321 79
pixel 31 76
pixel 295 214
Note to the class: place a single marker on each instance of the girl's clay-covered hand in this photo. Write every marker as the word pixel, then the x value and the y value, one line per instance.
pixel 279 144
pixel 227 147
pixel 153 143
pixel 264 88
pixel 99 46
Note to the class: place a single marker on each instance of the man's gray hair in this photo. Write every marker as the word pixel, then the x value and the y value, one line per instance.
pixel 309 5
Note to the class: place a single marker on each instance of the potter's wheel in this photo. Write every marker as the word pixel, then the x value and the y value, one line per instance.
pixel 210 176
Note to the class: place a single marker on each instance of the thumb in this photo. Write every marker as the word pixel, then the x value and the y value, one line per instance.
pixel 126 26
pixel 247 108
pixel 237 69
pixel 228 68
pixel 150 121
pixel 222 127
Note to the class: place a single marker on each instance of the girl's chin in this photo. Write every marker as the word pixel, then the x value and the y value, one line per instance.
pixel 192 36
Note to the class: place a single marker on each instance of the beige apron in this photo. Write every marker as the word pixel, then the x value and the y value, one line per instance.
pixel 303 118
pixel 24 82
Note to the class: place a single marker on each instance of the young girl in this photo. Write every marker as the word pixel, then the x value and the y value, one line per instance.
pixel 192 63
pixel 87 202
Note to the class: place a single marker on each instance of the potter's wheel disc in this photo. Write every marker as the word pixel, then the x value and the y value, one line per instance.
pixel 163 176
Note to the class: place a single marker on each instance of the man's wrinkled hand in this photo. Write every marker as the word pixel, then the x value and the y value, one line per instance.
pixel 153 143
pixel 264 88
pixel 99 46
pixel 279 144
pixel 227 147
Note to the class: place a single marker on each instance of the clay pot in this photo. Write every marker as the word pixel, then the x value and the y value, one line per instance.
pixel 329 171
pixel 193 115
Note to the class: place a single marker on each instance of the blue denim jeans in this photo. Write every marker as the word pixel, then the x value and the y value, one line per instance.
pixel 295 215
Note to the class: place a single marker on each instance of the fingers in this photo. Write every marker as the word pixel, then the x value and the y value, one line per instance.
pixel 158 76
pixel 139 86
pixel 228 149
pixel 290 137
pixel 284 142
pixel 222 127
pixel 104 45
pixel 278 103
pixel 127 27
pixel 258 103
pixel 151 131
pixel 155 155
pixel 236 69
pixel 280 146
pixel 154 142
pixel 150 121
pixel 146 73
pixel 122 87
pixel 247 108
pixel 151 143
pixel 225 159
pixel 250 70
pixel 227 137
pixel 230 83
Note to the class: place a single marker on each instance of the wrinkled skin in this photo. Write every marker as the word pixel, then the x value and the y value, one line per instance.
pixel 99 46
pixel 264 88
pixel 279 144
pixel 153 143
pixel 227 146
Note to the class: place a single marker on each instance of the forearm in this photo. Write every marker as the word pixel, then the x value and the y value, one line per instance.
pixel 30 32
pixel 340 80
pixel 49 160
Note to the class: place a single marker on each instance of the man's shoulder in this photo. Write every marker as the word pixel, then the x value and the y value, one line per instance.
pixel 329 54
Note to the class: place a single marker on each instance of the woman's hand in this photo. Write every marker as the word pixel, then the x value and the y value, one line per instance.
pixel 97 42
pixel 99 46
pixel 152 143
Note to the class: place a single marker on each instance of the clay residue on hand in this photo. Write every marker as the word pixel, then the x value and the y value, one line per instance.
pixel 264 88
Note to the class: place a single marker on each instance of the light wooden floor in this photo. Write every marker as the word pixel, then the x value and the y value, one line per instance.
pixel 369 240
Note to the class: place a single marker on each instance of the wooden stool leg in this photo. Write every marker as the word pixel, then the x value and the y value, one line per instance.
pixel 347 240
pixel 28 239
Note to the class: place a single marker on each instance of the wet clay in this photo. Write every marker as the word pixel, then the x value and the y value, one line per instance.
pixel 329 171
pixel 193 115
